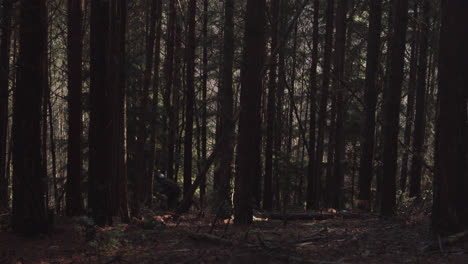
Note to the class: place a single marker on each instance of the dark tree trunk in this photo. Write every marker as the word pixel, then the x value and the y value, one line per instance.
pixel 168 74
pixel 75 51
pixel 322 114
pixel 392 101
pixel 449 212
pixel 339 88
pixel 142 178
pixel 248 153
pixel 370 97
pixel 156 84
pixel 410 101
pixel 420 119
pixel 190 95
pixel 119 82
pixel 204 98
pixel 4 74
pixel 29 208
pixel 99 128
pixel 226 128
pixel 106 140
pixel 312 177
pixel 271 109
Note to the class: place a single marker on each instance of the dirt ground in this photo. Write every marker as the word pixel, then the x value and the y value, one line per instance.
pixel 192 239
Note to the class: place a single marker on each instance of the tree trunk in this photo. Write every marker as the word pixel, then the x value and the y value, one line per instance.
pixel 190 94
pixel 156 84
pixel 420 119
pixel 339 88
pixel 370 97
pixel 322 114
pixel 313 179
pixel 4 94
pixel 106 132
pixel 449 212
pixel 410 101
pixel 29 208
pixel 226 129
pixel 204 98
pixel 248 154
pixel 168 73
pixel 392 101
pixel 271 107
pixel 75 50
pixel 142 178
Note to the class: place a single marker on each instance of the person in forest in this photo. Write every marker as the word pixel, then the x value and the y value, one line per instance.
pixel 167 191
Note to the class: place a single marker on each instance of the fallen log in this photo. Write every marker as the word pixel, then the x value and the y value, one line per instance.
pixel 211 238
pixel 311 216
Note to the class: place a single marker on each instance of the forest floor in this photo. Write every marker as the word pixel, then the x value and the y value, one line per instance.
pixel 365 238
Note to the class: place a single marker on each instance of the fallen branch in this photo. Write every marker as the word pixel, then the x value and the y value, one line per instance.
pixel 211 238
pixel 312 216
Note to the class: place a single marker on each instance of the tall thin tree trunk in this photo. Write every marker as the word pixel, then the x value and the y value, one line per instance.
pixel 410 101
pixel 370 97
pixel 322 114
pixel 392 101
pixel 168 73
pixel 226 128
pixel 339 89
pixel 142 178
pixel 190 95
pixel 271 110
pixel 156 85
pixel 204 99
pixel 75 51
pixel 420 119
pixel 313 179
pixel 4 84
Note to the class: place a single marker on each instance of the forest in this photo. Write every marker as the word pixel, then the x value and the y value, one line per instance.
pixel 248 131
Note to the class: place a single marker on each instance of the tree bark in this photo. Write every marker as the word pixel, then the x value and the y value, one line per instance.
pixel 322 114
pixel 248 154
pixel 340 45
pixel 75 51
pixel 190 94
pixel 410 101
pixel 4 94
pixel 168 74
pixel 392 101
pixel 226 129
pixel 370 97
pixel 449 212
pixel 312 177
pixel 29 214
pixel 420 119
pixel 271 109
